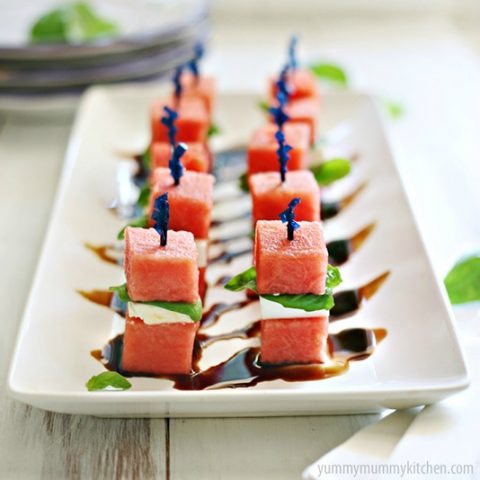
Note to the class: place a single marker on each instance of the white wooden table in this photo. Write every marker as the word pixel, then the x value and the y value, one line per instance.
pixel 38 444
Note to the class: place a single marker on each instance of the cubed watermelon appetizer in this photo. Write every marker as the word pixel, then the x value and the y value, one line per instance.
pixel 301 83
pixel 202 87
pixel 196 158
pixel 293 267
pixel 153 272
pixel 294 340
pixel 191 201
pixel 270 195
pixel 165 348
pixel 192 123
pixel 305 110
pixel 262 149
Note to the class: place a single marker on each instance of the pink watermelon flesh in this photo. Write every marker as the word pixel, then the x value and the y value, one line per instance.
pixel 294 340
pixel 192 123
pixel 165 348
pixel 262 150
pixel 203 88
pixel 302 84
pixel 196 158
pixel 168 274
pixel 305 110
pixel 291 267
pixel 191 201
pixel 270 196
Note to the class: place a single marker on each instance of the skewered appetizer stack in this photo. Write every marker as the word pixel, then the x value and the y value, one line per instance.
pixel 163 304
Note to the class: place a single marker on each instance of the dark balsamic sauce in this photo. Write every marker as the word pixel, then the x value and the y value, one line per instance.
pixel 105 253
pixel 213 314
pixel 244 368
pixel 349 301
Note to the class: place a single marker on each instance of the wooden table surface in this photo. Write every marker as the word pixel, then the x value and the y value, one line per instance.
pixel 39 444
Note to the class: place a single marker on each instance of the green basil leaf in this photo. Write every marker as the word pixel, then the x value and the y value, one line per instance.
pixel 307 302
pixel 144 196
pixel 242 281
pixel 243 182
pixel 463 281
pixel 394 109
pixel 141 222
pixel 331 72
pixel 108 379
pixel 146 159
pixel 193 310
pixel 264 106
pixel 331 170
pixel 73 23
pixel 121 291
pixel 213 130
pixel 334 278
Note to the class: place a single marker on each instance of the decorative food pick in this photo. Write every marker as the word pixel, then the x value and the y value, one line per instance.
pixel 176 166
pixel 278 114
pixel 288 217
pixel 169 121
pixel 283 153
pixel 282 85
pixel 198 51
pixel 177 83
pixel 161 216
pixel 292 53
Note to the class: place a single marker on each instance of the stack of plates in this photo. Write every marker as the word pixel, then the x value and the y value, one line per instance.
pixel 155 37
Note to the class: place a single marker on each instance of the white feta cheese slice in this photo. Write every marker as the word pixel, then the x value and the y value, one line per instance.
pixel 270 309
pixel 202 248
pixel 153 315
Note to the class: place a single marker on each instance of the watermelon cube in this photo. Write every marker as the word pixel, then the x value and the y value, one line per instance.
pixel 193 120
pixel 302 84
pixel 153 272
pixel 159 349
pixel 305 110
pixel 294 340
pixel 262 150
pixel 295 266
pixel 270 196
pixel 202 87
pixel 190 202
pixel 196 158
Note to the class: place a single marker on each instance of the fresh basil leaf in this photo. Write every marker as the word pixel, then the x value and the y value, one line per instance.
pixel 264 106
pixel 334 278
pixel 242 281
pixel 243 183
pixel 331 72
pixel 107 379
pixel 144 196
pixel 193 310
pixel 463 281
pixel 146 159
pixel 307 302
pixel 73 23
pixel 213 130
pixel 394 109
pixel 331 170
pixel 141 222
pixel 121 291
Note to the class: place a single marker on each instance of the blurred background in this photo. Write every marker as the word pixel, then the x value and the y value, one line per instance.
pixel 419 58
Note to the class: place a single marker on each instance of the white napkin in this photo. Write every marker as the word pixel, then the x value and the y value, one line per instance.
pixel 369 446
pixel 440 441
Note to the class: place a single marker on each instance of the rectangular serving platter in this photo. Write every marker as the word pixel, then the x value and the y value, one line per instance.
pixel 418 362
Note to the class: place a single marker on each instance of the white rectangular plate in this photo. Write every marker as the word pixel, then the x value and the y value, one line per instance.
pixel 418 362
